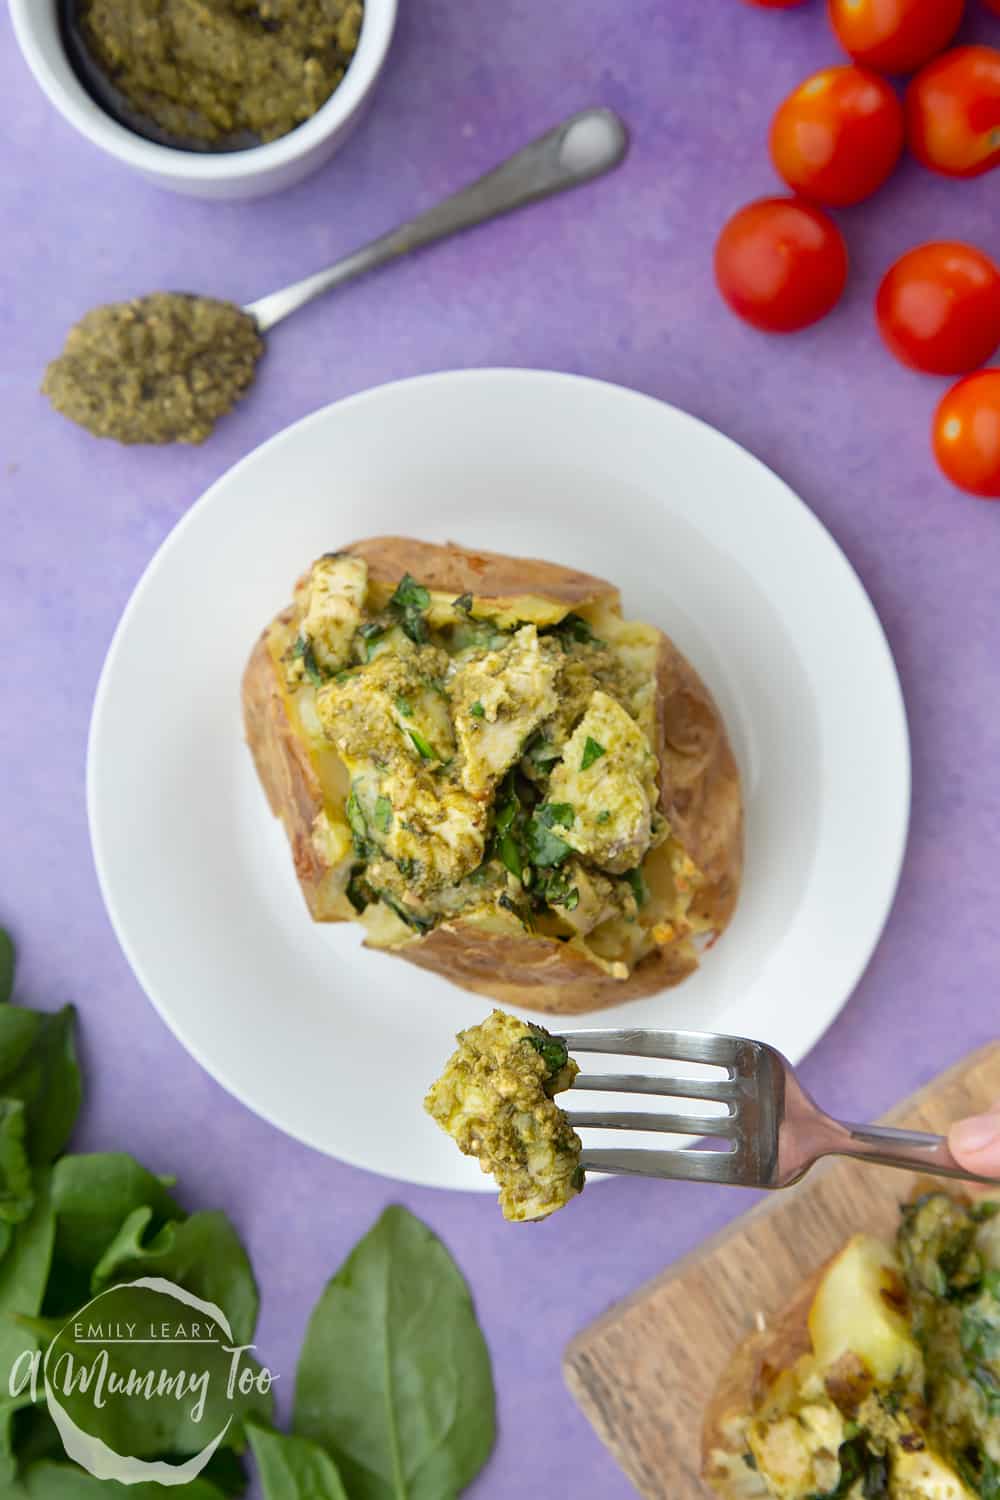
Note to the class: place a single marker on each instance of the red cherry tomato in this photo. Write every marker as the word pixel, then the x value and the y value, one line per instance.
pixel 838 136
pixel 781 264
pixel 953 112
pixel 895 36
pixel 938 308
pixel 967 434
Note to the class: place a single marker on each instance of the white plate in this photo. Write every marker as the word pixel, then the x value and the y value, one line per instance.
pixel 337 1045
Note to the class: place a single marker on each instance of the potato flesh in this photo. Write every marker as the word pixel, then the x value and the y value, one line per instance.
pixel 859 1309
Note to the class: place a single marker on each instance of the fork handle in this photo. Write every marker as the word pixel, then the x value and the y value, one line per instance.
pixel 583 147
pixel 913 1150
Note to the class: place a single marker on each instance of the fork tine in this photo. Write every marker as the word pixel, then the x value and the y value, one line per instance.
pixel 718 1090
pixel 675 1046
pixel 688 1166
pixel 724 1125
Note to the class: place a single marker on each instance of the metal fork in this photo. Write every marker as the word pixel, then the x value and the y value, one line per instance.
pixel 772 1129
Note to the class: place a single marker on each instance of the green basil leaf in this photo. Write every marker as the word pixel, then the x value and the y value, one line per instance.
pixel 303 649
pixel 394 1379
pixel 404 708
pixel 293 1468
pixel 383 814
pixel 38 1066
pixel 8 961
pixel 421 746
pixel 410 594
pixel 407 605
pixel 371 633
pixel 552 1050
pixel 546 848
pixel 357 824
pixel 575 628
pixel 202 1253
pixel 506 815
pixel 16 1194
pixel 591 751
pixel 989 1479
pixel 463 603
pixel 359 892
pixel 540 753
pixel 555 890
pixel 557 812
pixel 510 854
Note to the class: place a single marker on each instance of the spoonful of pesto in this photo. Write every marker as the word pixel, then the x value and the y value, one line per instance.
pixel 165 368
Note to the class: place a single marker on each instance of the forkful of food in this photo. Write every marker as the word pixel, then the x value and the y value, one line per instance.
pixel 757 1126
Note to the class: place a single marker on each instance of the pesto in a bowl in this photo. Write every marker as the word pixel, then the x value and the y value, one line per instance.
pixel 215 74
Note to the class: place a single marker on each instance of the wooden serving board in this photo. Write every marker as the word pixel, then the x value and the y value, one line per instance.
pixel 644 1372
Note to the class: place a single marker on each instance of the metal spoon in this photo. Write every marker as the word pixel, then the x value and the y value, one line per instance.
pixel 586 145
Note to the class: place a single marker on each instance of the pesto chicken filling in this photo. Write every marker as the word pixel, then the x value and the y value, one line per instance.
pixel 493 764
pixel 494 1099
pixel 900 1397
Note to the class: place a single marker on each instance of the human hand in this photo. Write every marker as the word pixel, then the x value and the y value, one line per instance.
pixel 975 1142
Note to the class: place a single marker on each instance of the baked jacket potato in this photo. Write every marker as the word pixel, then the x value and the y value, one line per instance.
pixel 478 759
pixel 881 1380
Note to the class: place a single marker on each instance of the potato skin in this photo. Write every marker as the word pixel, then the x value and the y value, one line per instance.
pixel 450 568
pixel 285 770
pixel 700 792
pixel 537 972
pixel 699 783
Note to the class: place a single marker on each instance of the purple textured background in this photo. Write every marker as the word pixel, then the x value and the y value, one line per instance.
pixel 613 281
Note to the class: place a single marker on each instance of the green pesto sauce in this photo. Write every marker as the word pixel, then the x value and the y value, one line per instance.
pixel 208 71
pixel 159 369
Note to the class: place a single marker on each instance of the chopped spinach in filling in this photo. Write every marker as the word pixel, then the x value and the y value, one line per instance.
pixel 498 766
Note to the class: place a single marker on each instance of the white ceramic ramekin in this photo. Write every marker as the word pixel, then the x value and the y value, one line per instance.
pixel 223 174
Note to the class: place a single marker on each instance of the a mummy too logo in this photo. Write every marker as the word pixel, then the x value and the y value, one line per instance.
pixel 149 1366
